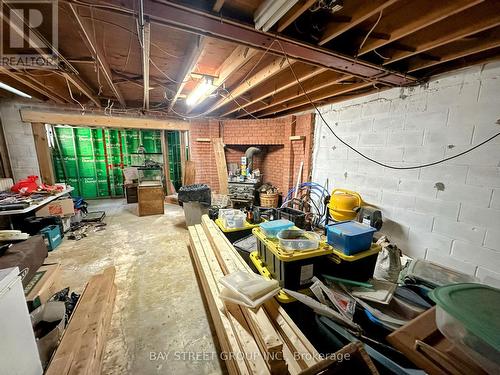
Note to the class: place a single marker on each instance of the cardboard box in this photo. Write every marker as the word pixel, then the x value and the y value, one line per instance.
pixel 44 284
pixel 59 207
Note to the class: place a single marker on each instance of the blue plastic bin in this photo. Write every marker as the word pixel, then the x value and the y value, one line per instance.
pixel 271 228
pixel 52 236
pixel 350 237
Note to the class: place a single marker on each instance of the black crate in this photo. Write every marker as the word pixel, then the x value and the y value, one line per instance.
pixel 296 216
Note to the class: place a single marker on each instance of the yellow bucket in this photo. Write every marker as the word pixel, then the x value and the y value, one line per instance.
pixel 342 204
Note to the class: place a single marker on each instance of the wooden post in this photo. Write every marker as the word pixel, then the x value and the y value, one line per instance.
pixel 43 153
pixel 220 162
pixel 183 154
pixel 4 155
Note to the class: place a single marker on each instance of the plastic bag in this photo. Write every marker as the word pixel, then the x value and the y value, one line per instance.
pixel 195 193
pixel 388 264
pixel 27 186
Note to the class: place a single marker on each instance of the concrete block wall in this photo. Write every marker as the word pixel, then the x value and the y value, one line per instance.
pixel 19 139
pixel 448 213
pixel 281 156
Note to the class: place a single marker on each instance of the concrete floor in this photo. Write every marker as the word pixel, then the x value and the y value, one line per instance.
pixel 159 319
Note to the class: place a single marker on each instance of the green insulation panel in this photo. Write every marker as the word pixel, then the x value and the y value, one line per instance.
pixel 92 160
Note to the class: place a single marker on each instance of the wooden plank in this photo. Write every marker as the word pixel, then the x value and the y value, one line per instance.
pixel 265 73
pixel 81 347
pixel 146 52
pixel 43 153
pixel 182 136
pixel 203 140
pixel 357 11
pixel 314 84
pixel 484 16
pixel 166 163
pixel 220 162
pixel 297 137
pixel 190 173
pixel 412 16
pixel 277 84
pixel 4 155
pixel 328 92
pixel 91 119
pixel 294 13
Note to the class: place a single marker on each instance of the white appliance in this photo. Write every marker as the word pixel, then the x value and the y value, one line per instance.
pixel 18 350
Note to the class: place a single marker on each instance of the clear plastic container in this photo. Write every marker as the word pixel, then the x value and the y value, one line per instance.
pixel 232 218
pixel 298 240
pixel 480 351
pixel 271 228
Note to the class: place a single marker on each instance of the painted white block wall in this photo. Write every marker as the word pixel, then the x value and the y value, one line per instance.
pixel 19 139
pixel 449 213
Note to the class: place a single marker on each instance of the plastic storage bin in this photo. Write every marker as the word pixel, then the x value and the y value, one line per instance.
pixel 52 236
pixel 271 228
pixel 350 237
pixel 298 240
pixel 358 267
pixel 468 315
pixel 235 234
pixel 292 269
pixel 296 216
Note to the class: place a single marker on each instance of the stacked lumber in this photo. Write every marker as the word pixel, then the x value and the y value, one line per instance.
pixel 262 341
pixel 81 348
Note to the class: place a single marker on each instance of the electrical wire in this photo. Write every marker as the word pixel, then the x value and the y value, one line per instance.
pixel 370 31
pixel 238 104
pixel 359 152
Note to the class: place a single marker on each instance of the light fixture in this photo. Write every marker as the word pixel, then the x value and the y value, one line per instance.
pixel 204 86
pixel 270 12
pixel 14 90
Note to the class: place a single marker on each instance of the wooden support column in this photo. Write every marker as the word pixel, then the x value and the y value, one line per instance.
pixel 166 162
pixel 4 155
pixel 183 154
pixel 288 155
pixel 43 153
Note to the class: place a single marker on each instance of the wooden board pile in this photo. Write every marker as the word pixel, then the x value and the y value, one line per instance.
pixel 263 341
pixel 81 348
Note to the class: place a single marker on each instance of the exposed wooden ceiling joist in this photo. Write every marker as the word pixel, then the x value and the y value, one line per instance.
pixel 202 23
pixel 412 16
pixel 448 30
pixel 326 93
pixel 262 75
pixel 294 13
pixel 96 51
pixel 355 11
pixel 466 48
pixel 239 57
pixel 314 84
pixel 280 82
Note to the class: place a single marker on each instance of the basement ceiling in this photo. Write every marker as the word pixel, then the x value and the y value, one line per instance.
pixel 337 49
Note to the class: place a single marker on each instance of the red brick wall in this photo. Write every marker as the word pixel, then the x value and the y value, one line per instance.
pixel 280 159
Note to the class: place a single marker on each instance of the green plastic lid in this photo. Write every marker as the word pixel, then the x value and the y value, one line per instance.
pixel 476 306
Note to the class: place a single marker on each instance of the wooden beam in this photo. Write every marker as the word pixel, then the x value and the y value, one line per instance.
pixel 90 119
pixel 34 85
pixel 187 66
pixel 239 57
pixel 294 13
pixel 413 16
pixel 4 155
pixel 319 82
pixel 96 51
pixel 325 93
pixel 274 67
pixel 463 49
pixel 218 5
pixel 43 153
pixel 481 17
pixel 357 11
pixel 280 82
pixel 198 22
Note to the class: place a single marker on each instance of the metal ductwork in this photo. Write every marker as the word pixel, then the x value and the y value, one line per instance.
pixel 249 153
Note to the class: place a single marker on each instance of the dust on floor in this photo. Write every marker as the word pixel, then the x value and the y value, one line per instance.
pixel 159 324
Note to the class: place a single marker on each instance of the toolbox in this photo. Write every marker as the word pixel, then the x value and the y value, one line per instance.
pixel 292 269
pixel 52 236
pixel 358 267
pixel 350 237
